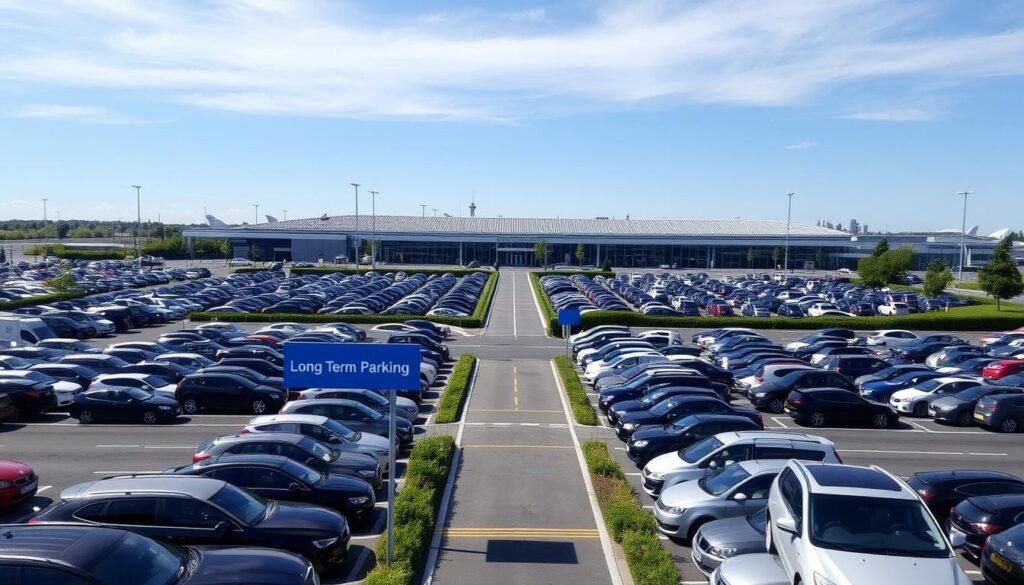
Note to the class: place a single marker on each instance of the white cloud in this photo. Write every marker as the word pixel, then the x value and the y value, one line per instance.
pixel 328 59
pixel 893 115
pixel 83 114
pixel 803 144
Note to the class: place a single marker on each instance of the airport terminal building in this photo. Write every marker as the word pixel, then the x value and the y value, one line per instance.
pixel 641 243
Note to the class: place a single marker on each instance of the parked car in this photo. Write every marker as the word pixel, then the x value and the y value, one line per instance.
pixel 818 407
pixel 30 398
pixel 728 538
pixel 1002 559
pixel 647 443
pixel 323 429
pixel 1004 412
pixel 959 408
pixel 405 407
pixel 771 395
pixel 123 404
pixel 980 517
pixel 1002 368
pixel 942 490
pixel 353 415
pixel 197 392
pixel 915 400
pixel 18 482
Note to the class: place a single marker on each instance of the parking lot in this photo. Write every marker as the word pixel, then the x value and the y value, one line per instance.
pixel 521 508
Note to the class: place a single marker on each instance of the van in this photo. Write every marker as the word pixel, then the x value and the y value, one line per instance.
pixel 21 329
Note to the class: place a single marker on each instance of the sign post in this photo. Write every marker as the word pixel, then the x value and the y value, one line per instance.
pixel 373 366
pixel 568 318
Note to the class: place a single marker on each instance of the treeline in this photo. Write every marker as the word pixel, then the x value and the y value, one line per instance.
pixel 23 229
pixel 172 248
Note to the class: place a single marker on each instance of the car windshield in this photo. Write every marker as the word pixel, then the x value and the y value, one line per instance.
pixel 137 560
pixel 368 412
pixel 341 430
pixel 239 503
pixel 307 474
pixel 653 398
pixel 885 526
pixel 698 451
pixel 663 407
pixel 723 480
pixel 317 449
pixel 759 520
pixel 138 393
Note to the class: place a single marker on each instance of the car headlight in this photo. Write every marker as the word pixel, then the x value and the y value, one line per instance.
pixel 166 408
pixel 819 580
pixel 674 511
pixel 640 444
pixel 358 501
pixel 655 474
pixel 368 473
pixel 629 426
pixel 324 543
pixel 724 552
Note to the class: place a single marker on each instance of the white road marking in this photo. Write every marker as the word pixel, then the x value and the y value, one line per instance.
pixel 515 329
pixel 922 427
pixel 170 447
pixel 117 446
pixel 43 489
pixel 920 452
pixel 633 474
pixel 779 422
pixel 121 472
pixel 540 314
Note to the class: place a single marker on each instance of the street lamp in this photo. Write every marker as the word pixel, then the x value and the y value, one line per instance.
pixel 373 228
pixel 963 232
pixel 285 214
pixel 44 218
pixel 355 242
pixel 138 216
pixel 424 206
pixel 256 207
pixel 789 214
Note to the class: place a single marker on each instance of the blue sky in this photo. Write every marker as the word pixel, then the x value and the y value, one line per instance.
pixel 878 110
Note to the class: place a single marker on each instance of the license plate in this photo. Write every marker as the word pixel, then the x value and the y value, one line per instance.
pixel 979 416
pixel 28 488
pixel 1000 562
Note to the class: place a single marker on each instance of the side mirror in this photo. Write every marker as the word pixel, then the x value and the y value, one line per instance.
pixel 740 497
pixel 786 524
pixel 312 461
pixel 957 540
pixel 713 464
pixel 334 439
pixel 294 488
pixel 222 528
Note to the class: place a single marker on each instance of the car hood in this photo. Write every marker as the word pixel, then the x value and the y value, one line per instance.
pixel 668 463
pixel 224 565
pixel 639 417
pixel 948 402
pixel 353 487
pixel 297 516
pixel 685 495
pixel 62 386
pixel 909 394
pixel 10 470
pixel 734 533
pixel 626 406
pixel 651 433
pixel 850 568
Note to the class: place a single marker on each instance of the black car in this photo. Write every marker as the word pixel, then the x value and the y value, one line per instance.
pixel 677 408
pixel 171 372
pixel 771 395
pixel 30 398
pixel 66 327
pixel 91 555
pixel 890 373
pixel 941 490
pixel 257 365
pixel 637 387
pixel 81 375
pixel 280 478
pixel 980 517
pixel 646 443
pixel 959 408
pixel 227 392
pixel 249 351
pixel 854 366
pixel 98 362
pixel 1002 559
pixel 123 405
pixel 1004 412
pixel 819 407
pixel 653 397
pixel 918 351
pixel 203 511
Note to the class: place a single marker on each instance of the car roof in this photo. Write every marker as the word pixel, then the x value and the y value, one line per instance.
pixel 962 475
pixel 314 419
pixel 755 466
pixel 247 459
pixel 998 502
pixel 130 375
pixel 704 417
pixel 852 480
pixel 199 487
pixel 326 401
pixel 247 437
pixel 66 545
pixel 731 437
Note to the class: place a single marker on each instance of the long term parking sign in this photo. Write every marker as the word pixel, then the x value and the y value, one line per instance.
pixel 373 366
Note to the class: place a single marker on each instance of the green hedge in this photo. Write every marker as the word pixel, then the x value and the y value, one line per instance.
pixel 449 407
pixel 363 270
pixel 475 320
pixel 61 251
pixel 628 523
pixel 41 300
pixel 582 410
pixel 415 511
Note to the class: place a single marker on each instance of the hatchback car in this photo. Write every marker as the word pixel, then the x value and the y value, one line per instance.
pixel 980 517
pixel 1003 412
pixel 230 392
pixel 819 407
pixel 959 408
pixel 942 490
pixel 405 407
pixel 1002 559
pixel 719 540
pixel 18 482
pixel 647 443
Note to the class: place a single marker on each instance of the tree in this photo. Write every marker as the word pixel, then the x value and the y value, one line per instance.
pixel 606 266
pixel 62 230
pixel 63 282
pixel 820 259
pixel 881 248
pixel 368 248
pixel 751 256
pixel 581 253
pixel 540 252
pixel 776 255
pixel 937 277
pixel 1000 278
pixel 886 268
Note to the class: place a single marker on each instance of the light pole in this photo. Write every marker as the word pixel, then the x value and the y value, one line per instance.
pixel 435 211
pixel 789 215
pixel 963 232
pixel 256 206
pixel 373 228
pixel 424 206
pixel 285 214
pixel 355 235
pixel 44 219
pixel 138 216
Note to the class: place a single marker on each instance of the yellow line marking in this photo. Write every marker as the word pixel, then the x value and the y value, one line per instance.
pixel 511 410
pixel 518 446
pixel 515 386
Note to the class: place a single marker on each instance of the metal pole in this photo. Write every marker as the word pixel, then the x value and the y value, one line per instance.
pixel 789 214
pixel 373 228
pixel 285 213
pixel 44 220
pixel 391 478
pixel 355 242
pixel 963 232
pixel 256 207
pixel 424 209
pixel 138 217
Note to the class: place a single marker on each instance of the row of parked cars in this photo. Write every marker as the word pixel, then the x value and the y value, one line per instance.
pixel 213 366
pixel 26 280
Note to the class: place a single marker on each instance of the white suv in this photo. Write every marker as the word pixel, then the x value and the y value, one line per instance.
pixel 845 525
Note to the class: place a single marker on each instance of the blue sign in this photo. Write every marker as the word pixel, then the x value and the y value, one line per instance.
pixel 373 366
pixel 569 317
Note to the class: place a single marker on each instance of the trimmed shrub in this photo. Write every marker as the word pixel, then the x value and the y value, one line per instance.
pixel 41 300
pixel 328 269
pixel 649 562
pixel 396 574
pixel 449 407
pixel 582 410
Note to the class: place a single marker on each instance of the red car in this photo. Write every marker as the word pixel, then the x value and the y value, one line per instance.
pixel 1002 368
pixel 17 482
pixel 719 310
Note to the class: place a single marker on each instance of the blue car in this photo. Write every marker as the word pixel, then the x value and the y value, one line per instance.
pixel 882 390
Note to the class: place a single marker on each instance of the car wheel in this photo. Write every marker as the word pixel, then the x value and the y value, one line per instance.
pixel 817 419
pixel 694 527
pixel 190 406
pixel 1009 425
pixel 964 419
pixel 921 409
pixel 259 406
pixel 881 421
pixel 149 417
pixel 769 545
pixel 775 405
pixel 85 417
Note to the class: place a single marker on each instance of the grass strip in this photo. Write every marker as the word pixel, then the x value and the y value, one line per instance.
pixel 449 407
pixel 415 512
pixel 579 402
pixel 628 524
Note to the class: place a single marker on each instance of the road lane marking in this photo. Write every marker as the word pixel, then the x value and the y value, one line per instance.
pixel 517 447
pixel 515 386
pixel 779 422
pixel 923 428
pixel 522 533
pixel 540 314
pixel 117 446
pixel 606 542
pixel 512 410
pixel 515 329
pixel 921 452
pixel 43 489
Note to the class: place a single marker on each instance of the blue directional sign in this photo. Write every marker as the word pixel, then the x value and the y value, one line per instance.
pixel 374 366
pixel 569 317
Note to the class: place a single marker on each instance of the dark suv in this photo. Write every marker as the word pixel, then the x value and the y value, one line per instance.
pixel 771 395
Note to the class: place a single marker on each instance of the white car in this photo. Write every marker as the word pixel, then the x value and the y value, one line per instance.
pixel 240 262
pixel 818 309
pixel 844 271
pixel 891 337
pixel 914 400
pixel 848 525
pixel 148 382
pixel 894 309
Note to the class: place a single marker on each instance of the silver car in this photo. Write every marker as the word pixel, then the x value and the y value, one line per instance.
pixel 405 407
pixel 736 490
pixel 759 569
pixel 720 540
